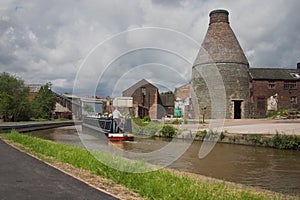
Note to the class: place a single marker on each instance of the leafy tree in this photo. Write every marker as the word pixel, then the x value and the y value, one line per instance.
pixel 43 103
pixel 14 102
pixel 88 108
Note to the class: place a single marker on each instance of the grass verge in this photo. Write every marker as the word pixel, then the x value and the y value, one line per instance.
pixel 161 184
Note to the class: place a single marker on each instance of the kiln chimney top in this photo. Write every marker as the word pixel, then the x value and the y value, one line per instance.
pixel 219 16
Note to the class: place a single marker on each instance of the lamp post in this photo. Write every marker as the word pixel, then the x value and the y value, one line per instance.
pixel 203 114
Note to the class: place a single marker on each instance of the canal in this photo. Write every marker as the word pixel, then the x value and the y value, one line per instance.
pixel 266 168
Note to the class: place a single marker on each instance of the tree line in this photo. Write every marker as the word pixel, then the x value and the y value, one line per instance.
pixel 15 104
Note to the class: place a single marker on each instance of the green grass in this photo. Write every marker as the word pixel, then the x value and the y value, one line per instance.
pixel 161 184
pixel 145 128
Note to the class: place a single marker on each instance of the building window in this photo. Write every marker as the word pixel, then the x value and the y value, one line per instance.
pixel 271 85
pixel 288 85
pixel 294 100
pixel 261 103
pixel 143 91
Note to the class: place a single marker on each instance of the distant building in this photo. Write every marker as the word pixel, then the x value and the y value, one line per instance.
pixel 91 106
pixel 33 90
pixel 183 100
pixel 62 112
pixel 124 105
pixel 145 99
pixel 167 101
pixel 282 85
pixel 72 103
pixel 183 91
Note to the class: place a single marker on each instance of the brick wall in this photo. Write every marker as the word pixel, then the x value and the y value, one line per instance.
pixel 262 89
pixel 145 97
pixel 183 92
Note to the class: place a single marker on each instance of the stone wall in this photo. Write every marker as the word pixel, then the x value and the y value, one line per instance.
pixel 235 80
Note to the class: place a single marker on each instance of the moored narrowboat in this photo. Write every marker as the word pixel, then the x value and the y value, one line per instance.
pixel 110 128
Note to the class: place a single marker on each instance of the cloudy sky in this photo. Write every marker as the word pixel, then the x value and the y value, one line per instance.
pixel 103 47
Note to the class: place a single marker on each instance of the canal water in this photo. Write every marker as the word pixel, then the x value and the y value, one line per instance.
pixel 266 168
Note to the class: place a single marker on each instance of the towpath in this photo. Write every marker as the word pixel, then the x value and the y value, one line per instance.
pixel 24 177
pixel 249 126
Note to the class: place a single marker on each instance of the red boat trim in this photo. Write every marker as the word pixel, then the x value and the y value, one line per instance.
pixel 120 138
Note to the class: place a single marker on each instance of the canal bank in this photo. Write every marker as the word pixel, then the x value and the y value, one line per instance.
pixel 24 127
pixel 155 185
pixel 267 168
pixel 277 141
pixel 279 134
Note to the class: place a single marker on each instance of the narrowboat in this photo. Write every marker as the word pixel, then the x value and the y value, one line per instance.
pixel 109 128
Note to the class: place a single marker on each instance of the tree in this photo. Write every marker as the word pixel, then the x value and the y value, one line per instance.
pixel 14 102
pixel 88 108
pixel 44 102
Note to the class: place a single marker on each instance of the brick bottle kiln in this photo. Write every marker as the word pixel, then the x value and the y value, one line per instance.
pixel 222 51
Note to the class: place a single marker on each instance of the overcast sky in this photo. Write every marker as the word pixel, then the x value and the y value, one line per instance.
pixel 106 46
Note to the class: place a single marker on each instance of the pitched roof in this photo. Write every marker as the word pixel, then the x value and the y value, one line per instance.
pixel 137 85
pixel 274 74
pixel 60 108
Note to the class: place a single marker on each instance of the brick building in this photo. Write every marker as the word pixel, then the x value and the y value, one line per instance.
pixel 167 101
pixel 183 91
pixel 33 90
pixel 250 92
pixel 283 84
pixel 184 100
pixel 221 56
pixel 145 99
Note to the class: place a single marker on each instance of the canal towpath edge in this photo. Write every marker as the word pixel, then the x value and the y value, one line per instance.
pixel 24 176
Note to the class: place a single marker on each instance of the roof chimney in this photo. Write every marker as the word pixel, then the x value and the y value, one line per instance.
pixel 219 16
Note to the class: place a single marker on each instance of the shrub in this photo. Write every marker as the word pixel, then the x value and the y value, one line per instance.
pixel 290 142
pixel 176 121
pixel 185 121
pixel 222 136
pixel 147 119
pixel 137 121
pixel 149 130
pixel 201 134
pixel 168 131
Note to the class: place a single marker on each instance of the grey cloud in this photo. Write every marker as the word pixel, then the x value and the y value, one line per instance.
pixel 49 41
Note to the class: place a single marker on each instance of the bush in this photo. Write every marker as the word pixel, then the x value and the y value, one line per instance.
pixel 185 121
pixel 176 121
pixel 201 134
pixel 142 129
pixel 168 131
pixel 290 142
pixel 147 119
pixel 137 121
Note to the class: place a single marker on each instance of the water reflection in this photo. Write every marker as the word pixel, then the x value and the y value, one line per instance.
pixel 266 168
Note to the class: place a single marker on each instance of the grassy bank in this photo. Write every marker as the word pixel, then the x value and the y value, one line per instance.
pixel 161 184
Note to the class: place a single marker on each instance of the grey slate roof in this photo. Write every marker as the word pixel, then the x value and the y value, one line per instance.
pixel 273 74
